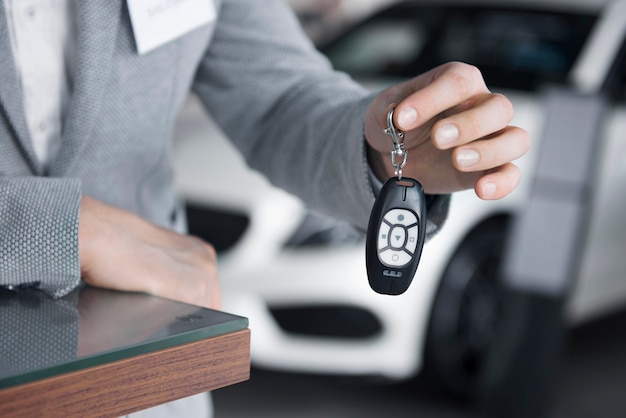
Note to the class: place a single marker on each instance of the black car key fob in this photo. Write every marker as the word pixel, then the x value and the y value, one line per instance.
pixel 395 236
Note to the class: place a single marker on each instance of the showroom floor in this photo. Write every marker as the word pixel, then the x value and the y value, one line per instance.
pixel 591 383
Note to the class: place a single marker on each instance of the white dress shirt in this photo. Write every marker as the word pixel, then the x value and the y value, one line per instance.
pixel 42 35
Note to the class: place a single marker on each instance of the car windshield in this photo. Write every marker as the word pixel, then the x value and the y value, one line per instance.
pixel 616 81
pixel 514 48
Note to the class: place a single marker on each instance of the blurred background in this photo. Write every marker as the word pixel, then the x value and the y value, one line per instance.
pixel 518 306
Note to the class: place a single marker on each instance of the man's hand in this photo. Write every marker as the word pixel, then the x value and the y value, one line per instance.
pixel 456 131
pixel 121 251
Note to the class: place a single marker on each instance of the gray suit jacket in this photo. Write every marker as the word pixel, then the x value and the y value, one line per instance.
pixel 260 78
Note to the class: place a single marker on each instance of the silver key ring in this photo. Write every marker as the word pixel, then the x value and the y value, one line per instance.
pixel 398 146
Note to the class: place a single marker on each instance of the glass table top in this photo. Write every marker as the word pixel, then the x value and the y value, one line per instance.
pixel 44 337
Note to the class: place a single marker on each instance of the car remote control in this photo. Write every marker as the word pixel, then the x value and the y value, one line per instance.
pixel 395 236
pixel 395 233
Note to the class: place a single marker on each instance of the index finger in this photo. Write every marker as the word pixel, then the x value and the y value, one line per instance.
pixel 446 86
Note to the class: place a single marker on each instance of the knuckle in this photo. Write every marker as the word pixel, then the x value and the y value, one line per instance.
pixel 465 78
pixel 460 84
pixel 524 139
pixel 210 250
pixel 505 105
pixel 514 176
pixel 520 139
pixel 203 247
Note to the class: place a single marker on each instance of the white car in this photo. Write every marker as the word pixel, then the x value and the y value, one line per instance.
pixel 300 278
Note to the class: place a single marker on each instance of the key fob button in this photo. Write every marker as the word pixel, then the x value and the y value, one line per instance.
pixel 400 216
pixel 383 235
pixel 412 237
pixel 397 237
pixel 394 258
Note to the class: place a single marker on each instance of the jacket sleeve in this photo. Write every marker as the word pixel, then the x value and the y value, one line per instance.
pixel 39 233
pixel 293 117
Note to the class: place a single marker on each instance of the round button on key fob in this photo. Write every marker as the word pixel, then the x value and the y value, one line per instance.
pixel 395 236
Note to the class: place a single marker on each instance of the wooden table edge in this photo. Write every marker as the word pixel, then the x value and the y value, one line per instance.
pixel 135 383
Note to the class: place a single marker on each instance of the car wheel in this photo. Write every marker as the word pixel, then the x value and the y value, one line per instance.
pixel 465 310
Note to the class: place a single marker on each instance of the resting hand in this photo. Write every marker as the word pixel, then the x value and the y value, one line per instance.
pixel 456 131
pixel 121 251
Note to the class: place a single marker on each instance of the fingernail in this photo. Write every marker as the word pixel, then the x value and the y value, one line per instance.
pixel 446 134
pixel 407 117
pixel 467 157
pixel 489 189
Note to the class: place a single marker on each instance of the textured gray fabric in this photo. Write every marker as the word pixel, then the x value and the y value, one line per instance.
pixel 258 75
pixel 38 220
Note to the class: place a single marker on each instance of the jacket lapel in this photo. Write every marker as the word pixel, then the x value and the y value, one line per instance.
pixel 11 98
pixel 97 26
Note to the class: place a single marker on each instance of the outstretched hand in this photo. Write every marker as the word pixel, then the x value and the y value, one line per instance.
pixel 456 131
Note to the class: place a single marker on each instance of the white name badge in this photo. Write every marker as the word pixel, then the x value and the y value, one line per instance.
pixel 156 22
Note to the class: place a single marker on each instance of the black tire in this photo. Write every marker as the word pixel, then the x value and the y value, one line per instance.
pixel 465 311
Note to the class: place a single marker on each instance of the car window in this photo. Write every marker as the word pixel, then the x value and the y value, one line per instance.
pixel 621 89
pixel 514 48
pixel 616 81
pixel 387 44
pixel 380 47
